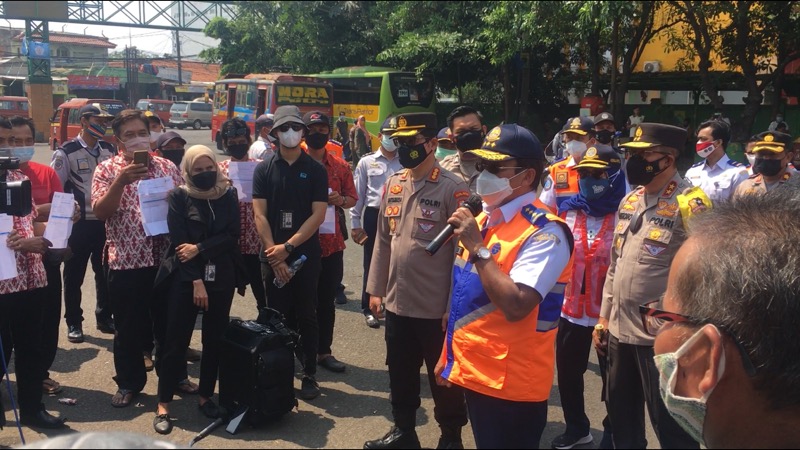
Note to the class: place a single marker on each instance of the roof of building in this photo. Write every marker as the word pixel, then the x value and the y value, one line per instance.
pixel 76 39
pixel 201 71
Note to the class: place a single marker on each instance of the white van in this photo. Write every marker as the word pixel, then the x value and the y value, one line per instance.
pixel 194 114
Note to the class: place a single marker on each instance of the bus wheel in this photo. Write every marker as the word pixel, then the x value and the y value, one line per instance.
pixel 197 124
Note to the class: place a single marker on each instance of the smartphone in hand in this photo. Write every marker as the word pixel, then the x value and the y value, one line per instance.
pixel 141 157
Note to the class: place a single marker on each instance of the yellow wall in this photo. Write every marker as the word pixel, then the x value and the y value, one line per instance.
pixel 656 50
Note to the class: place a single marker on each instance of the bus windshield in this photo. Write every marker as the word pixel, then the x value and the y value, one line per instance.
pixel 407 90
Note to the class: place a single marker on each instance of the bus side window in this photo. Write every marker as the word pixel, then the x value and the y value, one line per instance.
pixel 56 116
pixel 74 116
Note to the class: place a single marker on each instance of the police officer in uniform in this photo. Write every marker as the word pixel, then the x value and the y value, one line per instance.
pixel 773 151
pixel 650 229
pixel 415 207
pixel 511 268
pixel 717 175
pixel 74 162
pixel 466 132
pixel 561 182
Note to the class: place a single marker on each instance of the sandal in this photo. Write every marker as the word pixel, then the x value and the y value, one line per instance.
pixel 51 386
pixel 122 398
pixel 187 387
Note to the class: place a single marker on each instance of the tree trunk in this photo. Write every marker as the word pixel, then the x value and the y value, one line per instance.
pixel 506 93
pixel 614 63
pixel 594 61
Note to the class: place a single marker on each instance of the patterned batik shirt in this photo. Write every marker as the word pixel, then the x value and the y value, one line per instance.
pixel 249 242
pixel 30 270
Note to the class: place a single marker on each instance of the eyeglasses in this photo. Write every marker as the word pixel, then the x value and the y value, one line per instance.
pixel 596 174
pixel 294 126
pixel 233 132
pixel 494 169
pixel 412 142
pixel 654 320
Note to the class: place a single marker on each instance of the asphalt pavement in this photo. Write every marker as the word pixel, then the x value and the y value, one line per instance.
pixel 352 408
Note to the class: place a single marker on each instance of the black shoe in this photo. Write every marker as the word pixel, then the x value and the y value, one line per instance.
pixel 447 443
pixel 566 442
pixel 162 424
pixel 396 438
pixel 341 299
pixel 106 326
pixel 42 419
pixel 210 409
pixel 309 389
pixel 332 364
pixel 75 334
pixel 372 322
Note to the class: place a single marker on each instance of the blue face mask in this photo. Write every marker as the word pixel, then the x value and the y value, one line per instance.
pixel 24 154
pixel 388 144
pixel 592 189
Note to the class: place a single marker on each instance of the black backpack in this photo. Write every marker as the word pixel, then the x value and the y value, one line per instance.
pixel 257 368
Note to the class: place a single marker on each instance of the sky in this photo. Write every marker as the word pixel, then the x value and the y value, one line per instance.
pixel 151 40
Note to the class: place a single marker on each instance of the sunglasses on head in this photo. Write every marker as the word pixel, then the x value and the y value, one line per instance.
pixel 494 169
pixel 233 132
pixel 294 126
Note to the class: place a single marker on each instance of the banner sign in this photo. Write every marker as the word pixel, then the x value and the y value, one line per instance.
pixel 97 82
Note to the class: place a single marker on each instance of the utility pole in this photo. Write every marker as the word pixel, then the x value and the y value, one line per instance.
pixel 178 53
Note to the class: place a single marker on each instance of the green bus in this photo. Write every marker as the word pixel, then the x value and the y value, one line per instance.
pixel 378 92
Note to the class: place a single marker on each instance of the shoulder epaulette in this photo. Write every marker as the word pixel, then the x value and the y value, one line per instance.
pixel 735 163
pixel 535 216
pixel 698 164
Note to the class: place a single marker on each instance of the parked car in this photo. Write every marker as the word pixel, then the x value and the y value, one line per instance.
pixel 194 114
pixel 156 106
pixel 13 106
pixel 66 123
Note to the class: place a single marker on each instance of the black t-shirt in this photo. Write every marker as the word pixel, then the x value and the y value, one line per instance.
pixel 289 192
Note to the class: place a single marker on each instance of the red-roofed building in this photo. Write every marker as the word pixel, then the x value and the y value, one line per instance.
pixel 72 49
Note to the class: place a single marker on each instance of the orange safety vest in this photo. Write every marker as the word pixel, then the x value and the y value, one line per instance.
pixel 590 267
pixel 565 181
pixel 483 351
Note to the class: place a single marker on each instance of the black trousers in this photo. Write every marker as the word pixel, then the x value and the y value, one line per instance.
pixel 409 343
pixel 369 220
pixel 253 265
pixel 181 317
pixel 297 301
pixel 51 314
pixel 22 312
pixel 632 382
pixel 329 278
pixel 86 242
pixel 134 295
pixel 498 423
pixel 573 344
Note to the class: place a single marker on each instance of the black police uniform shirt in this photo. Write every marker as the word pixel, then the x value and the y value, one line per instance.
pixel 289 191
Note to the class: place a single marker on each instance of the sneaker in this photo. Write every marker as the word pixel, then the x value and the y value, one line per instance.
pixel 75 334
pixel 566 442
pixel 309 389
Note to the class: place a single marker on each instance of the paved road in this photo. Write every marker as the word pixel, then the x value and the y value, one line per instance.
pixel 353 407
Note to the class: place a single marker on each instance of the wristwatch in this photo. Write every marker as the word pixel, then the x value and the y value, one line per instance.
pixel 482 253
pixel 289 247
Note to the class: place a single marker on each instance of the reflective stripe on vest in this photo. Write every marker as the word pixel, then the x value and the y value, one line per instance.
pixel 589 265
pixel 483 351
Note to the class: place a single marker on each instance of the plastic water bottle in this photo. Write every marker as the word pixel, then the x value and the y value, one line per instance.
pixel 293 269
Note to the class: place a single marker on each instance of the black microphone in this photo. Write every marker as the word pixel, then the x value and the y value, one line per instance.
pixel 475 205
pixel 207 430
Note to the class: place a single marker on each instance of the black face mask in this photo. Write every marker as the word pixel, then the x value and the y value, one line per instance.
pixel 604 136
pixel 176 156
pixel 767 167
pixel 316 140
pixel 412 156
pixel 640 171
pixel 205 180
pixel 469 140
pixel 238 151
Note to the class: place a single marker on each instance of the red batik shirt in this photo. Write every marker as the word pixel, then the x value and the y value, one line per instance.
pixel 340 179
pixel 30 270
pixel 249 242
pixel 127 246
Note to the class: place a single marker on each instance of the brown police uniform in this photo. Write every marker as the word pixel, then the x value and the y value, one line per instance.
pixel 452 163
pixel 411 214
pixel 756 184
pixel 768 142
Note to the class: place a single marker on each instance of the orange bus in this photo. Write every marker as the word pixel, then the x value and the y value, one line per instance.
pixel 13 106
pixel 66 122
pixel 249 96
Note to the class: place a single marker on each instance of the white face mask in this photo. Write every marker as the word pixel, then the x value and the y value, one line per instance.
pixel 690 413
pixel 388 144
pixel 493 189
pixel 290 138
pixel 575 149
pixel 154 135
pixel 137 143
pixel 751 158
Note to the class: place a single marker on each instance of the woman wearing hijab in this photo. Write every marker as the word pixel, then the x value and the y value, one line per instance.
pixel 203 267
pixel 591 215
pixel 360 141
